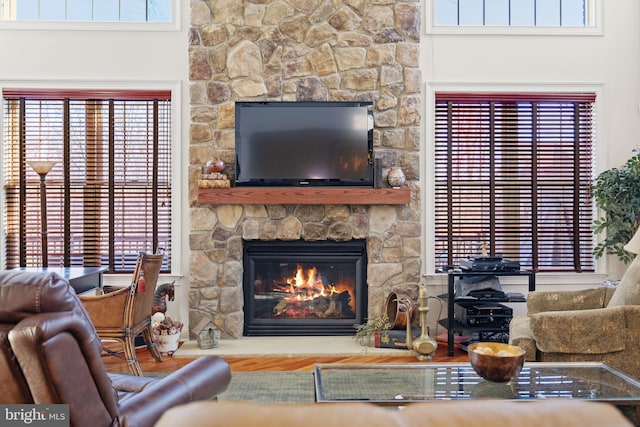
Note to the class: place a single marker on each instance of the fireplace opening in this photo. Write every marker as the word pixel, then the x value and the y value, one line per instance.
pixel 304 287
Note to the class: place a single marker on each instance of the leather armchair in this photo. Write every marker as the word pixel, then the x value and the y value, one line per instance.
pixel 51 354
pixel 599 324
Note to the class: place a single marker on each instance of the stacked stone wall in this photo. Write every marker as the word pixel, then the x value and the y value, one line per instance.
pixel 301 50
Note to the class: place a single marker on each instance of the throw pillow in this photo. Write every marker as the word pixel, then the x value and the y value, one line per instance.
pixel 628 290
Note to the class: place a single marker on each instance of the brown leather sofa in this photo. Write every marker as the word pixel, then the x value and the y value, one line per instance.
pixel 469 413
pixel 51 355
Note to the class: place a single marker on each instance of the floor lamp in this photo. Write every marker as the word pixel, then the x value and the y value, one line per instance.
pixel 42 168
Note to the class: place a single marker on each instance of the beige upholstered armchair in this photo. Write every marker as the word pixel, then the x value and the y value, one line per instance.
pixel 125 313
pixel 600 324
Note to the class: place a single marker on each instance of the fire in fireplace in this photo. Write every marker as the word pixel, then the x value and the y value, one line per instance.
pixel 304 288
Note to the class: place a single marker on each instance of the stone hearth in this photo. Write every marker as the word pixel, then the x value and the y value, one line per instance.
pixel 345 346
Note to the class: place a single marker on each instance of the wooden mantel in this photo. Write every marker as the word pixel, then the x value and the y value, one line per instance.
pixel 304 196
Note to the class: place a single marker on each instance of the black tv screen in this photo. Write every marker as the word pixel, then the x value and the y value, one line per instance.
pixel 304 143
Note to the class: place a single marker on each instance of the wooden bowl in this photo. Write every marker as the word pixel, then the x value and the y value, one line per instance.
pixel 496 362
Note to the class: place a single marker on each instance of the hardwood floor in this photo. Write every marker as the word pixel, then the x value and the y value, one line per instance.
pixel 267 363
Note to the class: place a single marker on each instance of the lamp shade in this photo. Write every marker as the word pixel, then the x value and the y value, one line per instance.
pixel 634 244
pixel 42 166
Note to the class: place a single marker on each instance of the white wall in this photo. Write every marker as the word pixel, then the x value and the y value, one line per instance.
pixel 609 62
pixel 107 58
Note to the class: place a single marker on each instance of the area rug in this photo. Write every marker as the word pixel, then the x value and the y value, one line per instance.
pixel 294 387
pixel 266 387
pixel 271 387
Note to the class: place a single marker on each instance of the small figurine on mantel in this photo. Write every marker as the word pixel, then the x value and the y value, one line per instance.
pixel 215 165
pixel 213 176
pixel 396 177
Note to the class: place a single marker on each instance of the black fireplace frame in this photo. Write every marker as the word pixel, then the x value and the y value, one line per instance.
pixel 302 251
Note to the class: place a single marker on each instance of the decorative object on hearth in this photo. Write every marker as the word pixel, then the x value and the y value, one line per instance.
pixel 207 335
pixel 163 293
pixel 396 177
pixel 365 332
pixel 495 361
pixel 424 345
pixel 617 193
pixel 42 168
pixel 166 333
pixel 399 313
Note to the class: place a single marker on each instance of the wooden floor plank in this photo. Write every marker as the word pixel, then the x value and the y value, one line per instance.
pixel 270 363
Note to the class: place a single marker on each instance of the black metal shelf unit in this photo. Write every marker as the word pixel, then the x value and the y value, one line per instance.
pixel 454 326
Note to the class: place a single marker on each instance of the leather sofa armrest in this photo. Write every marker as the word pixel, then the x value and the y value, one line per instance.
pixel 466 413
pixel 583 299
pixel 125 384
pixel 202 379
pixel 595 331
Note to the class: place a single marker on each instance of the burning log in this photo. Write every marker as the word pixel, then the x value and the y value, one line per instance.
pixel 332 308
pixel 322 307
pixel 282 304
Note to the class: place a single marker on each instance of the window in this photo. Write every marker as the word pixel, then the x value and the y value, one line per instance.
pixel 87 10
pixel 514 172
pixel 511 13
pixel 109 195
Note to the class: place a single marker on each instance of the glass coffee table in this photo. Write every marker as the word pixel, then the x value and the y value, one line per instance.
pixel 396 385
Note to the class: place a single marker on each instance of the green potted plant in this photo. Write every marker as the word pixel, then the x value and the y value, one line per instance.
pixel 617 193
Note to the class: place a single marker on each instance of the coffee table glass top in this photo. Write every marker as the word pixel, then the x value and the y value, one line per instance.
pixel 396 384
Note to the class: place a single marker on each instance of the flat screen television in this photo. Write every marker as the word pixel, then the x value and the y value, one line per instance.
pixel 304 144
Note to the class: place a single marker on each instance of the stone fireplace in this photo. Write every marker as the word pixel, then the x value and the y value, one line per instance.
pixel 301 50
pixel 391 238
pixel 304 287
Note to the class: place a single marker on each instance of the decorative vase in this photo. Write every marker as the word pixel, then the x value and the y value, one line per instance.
pixel 167 343
pixel 215 165
pixel 396 177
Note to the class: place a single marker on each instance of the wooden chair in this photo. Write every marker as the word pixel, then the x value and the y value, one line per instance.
pixel 123 314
